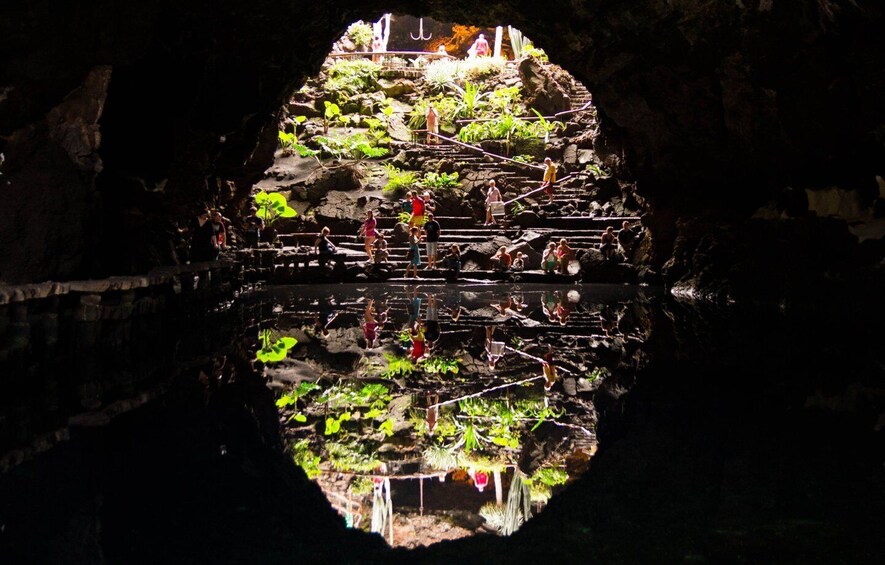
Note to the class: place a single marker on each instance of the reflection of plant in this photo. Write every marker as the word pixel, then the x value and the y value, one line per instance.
pixel 353 456
pixel 274 351
pixel 361 486
pixel 398 181
pixel 333 425
pixel 519 504
pixel 441 458
pixel 273 206
pixel 303 389
pixel 494 516
pixel 441 365
pixel 351 395
pixel 398 366
pixel 441 72
pixel 306 459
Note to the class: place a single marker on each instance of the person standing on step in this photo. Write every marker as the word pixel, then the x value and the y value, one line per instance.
pixel 414 253
pixel 549 179
pixel 549 260
pixel 453 260
pixel 369 234
pixel 377 44
pixel 564 255
pixel 417 218
pixel 492 197
pixel 432 125
pixel 431 238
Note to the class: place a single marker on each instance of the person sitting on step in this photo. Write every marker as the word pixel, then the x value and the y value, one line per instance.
pixel 626 238
pixel 380 254
pixel 502 260
pixel 323 247
pixel 453 259
pixel 518 265
pixel 607 243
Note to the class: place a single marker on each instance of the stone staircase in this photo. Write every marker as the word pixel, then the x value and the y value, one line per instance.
pixel 579 95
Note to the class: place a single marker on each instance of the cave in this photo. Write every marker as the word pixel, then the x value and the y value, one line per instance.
pixel 745 425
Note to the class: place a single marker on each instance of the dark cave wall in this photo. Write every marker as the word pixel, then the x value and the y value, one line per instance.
pixel 716 105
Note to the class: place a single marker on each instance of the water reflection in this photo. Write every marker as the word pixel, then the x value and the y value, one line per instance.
pixel 427 413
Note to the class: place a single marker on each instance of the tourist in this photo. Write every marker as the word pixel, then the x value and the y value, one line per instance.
pixel 549 261
pixel 432 125
pixel 417 218
pixel 204 242
pixel 324 248
pixel 219 230
pixel 431 239
pixel 413 307
pixel 429 203
pixel 369 233
pixel 380 253
pixel 432 329
pixel 502 260
pixel 518 265
pixel 494 349
pixel 453 260
pixel 607 243
pixel 549 179
pixel 563 255
pixel 481 46
pixel 492 197
pixel 480 480
pixel 626 237
pixel 253 225
pixel 324 319
pixel 548 304
pixel 414 253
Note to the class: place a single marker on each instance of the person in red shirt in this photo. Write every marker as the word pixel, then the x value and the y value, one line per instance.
pixel 481 46
pixel 502 260
pixel 417 218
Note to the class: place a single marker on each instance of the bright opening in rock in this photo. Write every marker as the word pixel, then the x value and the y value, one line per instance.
pixel 412 434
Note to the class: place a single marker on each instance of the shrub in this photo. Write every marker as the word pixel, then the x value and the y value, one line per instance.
pixel 273 206
pixel 347 78
pixel 440 73
pixel 360 33
pixel 354 146
pixel 481 68
pixel 398 181
pixel 440 181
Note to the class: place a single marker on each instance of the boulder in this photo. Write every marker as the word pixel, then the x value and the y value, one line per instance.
pixel 570 155
pixel 477 255
pixel 400 234
pixel 326 180
pixel 527 219
pixel 542 91
pixel 531 257
pixel 338 205
pixel 595 268
pixel 396 88
pixel 308 109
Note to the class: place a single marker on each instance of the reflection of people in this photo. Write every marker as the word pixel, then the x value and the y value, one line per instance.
pixel 323 319
pixel 432 412
pixel 432 125
pixel 494 349
pixel 431 321
pixel 549 370
pixel 414 253
pixel 480 479
pixel 549 179
pixel 418 342
pixel 371 323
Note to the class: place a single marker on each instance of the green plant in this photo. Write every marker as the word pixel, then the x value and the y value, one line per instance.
pixel 597 171
pixel 274 351
pixel 355 146
pixel 349 77
pixel 306 459
pixel 273 206
pixel 291 398
pixel 544 127
pixel 360 33
pixel 596 374
pixel 471 99
pixel 505 100
pixel 531 51
pixel 352 456
pixel 403 218
pixel 481 68
pixel 517 208
pixel 440 73
pixel 440 181
pixel 386 427
pixel 441 458
pixel 398 181
pixel 524 158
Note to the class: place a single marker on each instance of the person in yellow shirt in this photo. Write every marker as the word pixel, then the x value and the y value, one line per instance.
pixel 549 178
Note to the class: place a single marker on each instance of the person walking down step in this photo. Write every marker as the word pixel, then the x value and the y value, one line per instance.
pixel 493 196
pixel 549 179
pixel 369 233
pixel 432 125
pixel 431 238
